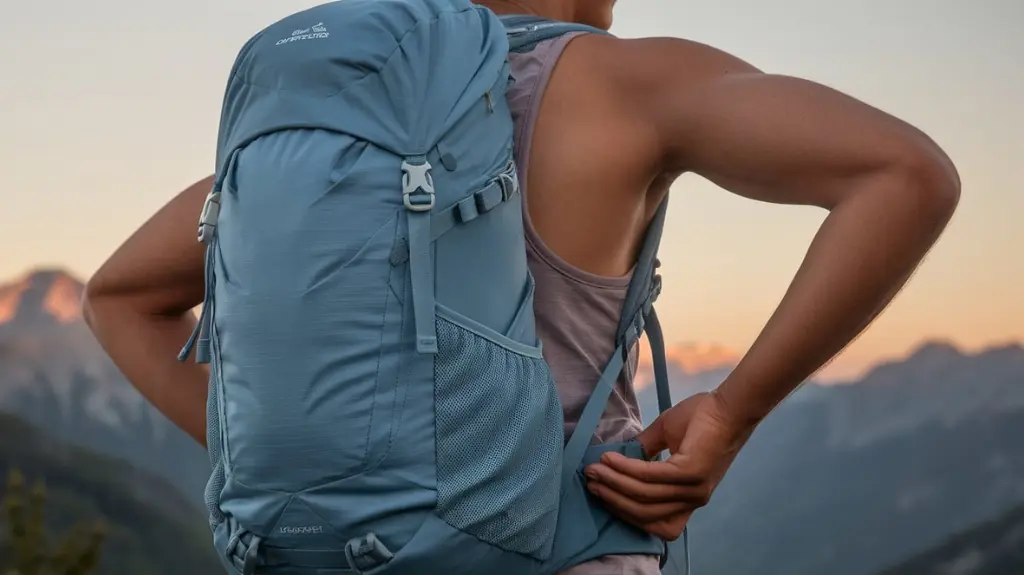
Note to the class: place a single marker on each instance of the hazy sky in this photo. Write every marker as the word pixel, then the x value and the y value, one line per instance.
pixel 108 108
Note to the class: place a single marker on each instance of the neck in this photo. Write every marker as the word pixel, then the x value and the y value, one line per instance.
pixel 543 8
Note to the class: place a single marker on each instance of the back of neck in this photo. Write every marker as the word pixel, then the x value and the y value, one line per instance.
pixel 543 8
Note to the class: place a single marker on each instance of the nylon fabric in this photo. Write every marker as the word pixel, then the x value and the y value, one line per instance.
pixel 379 401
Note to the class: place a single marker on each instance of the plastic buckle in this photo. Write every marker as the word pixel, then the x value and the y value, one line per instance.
pixel 654 293
pixel 417 179
pixel 656 285
pixel 509 182
pixel 640 320
pixel 655 288
pixel 252 556
pixel 208 218
pixel 640 323
pixel 367 553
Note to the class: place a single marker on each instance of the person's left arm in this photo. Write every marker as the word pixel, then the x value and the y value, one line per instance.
pixel 889 191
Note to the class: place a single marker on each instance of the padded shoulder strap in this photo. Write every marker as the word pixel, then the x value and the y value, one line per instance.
pixel 525 32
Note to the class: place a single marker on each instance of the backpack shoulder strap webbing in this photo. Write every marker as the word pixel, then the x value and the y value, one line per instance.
pixel 637 316
pixel 638 313
pixel 525 32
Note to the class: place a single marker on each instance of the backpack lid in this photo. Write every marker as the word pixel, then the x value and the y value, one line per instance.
pixel 400 74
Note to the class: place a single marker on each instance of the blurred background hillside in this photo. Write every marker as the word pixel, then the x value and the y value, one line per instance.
pixel 902 457
pixel 918 462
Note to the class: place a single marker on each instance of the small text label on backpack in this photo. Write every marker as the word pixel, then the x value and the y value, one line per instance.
pixel 301 530
pixel 316 32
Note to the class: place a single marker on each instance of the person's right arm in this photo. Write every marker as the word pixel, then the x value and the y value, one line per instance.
pixel 139 305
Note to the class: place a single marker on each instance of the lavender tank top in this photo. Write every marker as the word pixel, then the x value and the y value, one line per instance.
pixel 577 312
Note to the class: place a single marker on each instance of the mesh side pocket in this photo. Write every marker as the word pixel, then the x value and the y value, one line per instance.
pixel 499 442
pixel 216 483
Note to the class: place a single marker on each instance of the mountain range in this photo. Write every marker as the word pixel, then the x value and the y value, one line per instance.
pixel 994 547
pixel 851 479
pixel 140 511
pixel 54 375
pixel 842 479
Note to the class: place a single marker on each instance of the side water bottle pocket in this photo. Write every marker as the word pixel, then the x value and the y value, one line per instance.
pixel 499 436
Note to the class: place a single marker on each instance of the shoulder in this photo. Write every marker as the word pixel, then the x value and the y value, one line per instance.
pixel 657 82
pixel 650 67
pixel 773 137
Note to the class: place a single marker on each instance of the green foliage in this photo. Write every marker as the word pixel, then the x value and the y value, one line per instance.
pixel 77 553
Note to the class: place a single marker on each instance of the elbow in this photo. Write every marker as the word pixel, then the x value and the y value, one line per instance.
pixel 87 313
pixel 930 182
pixel 109 297
pixel 100 299
pixel 937 178
pixel 92 295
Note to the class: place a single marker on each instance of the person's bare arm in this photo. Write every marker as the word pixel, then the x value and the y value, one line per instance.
pixel 890 191
pixel 139 304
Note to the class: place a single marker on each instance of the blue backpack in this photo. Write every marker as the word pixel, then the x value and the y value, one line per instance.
pixel 378 401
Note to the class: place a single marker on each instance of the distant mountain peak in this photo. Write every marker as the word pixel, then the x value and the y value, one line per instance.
pixel 43 295
pixel 936 348
pixel 693 357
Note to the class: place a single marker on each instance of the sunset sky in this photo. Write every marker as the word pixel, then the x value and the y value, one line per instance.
pixel 109 108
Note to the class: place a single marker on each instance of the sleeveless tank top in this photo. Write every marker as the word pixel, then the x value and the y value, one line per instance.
pixel 577 312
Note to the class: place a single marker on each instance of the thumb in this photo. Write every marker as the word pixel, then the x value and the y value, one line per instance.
pixel 652 439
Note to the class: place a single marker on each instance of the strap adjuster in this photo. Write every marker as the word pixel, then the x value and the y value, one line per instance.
pixel 509 182
pixel 243 548
pixel 367 553
pixel 656 285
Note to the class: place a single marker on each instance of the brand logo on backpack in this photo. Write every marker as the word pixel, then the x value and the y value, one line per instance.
pixel 317 32
pixel 301 530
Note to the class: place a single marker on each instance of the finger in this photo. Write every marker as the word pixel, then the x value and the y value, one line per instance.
pixel 652 439
pixel 636 512
pixel 638 490
pixel 675 469
pixel 669 529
